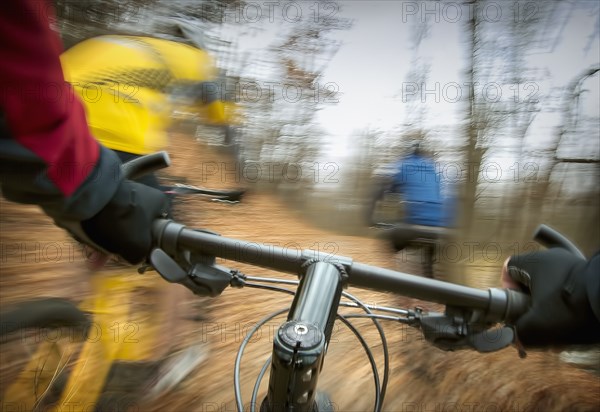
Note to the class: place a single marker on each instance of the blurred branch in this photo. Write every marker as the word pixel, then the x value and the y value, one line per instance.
pixel 576 160
pixel 572 93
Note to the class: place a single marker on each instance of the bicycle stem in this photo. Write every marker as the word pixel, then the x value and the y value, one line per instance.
pixel 300 344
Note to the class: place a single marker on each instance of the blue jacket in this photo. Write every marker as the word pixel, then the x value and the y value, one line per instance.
pixel 416 179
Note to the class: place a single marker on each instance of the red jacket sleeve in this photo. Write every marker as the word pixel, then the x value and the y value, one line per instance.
pixel 40 109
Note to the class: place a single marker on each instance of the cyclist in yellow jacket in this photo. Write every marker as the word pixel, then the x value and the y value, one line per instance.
pixel 127 83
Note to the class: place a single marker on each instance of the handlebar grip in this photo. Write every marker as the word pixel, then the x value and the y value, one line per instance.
pixel 549 237
pixel 518 303
pixel 507 305
pixel 143 165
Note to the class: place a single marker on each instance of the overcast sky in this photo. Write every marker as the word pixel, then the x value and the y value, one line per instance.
pixel 370 68
pixel 372 64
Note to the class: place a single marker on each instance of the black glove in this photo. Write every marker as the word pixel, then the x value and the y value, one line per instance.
pixel 124 225
pixel 560 311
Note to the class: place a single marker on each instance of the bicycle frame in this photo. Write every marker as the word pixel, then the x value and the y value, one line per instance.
pixel 113 336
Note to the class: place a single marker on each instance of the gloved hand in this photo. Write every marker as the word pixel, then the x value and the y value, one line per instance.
pixel 560 311
pixel 124 225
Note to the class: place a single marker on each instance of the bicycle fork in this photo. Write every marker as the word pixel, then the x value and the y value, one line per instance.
pixel 301 342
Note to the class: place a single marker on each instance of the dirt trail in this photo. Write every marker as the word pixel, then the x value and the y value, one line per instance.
pixel 422 378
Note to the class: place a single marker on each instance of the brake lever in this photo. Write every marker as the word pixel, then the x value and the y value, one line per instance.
pixel 452 333
pixel 202 279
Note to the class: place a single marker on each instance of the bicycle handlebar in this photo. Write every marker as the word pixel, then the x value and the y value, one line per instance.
pixel 495 304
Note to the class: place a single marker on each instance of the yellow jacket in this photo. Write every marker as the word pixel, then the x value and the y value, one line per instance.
pixel 124 82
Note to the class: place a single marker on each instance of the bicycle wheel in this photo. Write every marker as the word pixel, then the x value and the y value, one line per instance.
pixel 39 339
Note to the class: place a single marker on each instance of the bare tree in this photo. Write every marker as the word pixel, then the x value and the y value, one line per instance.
pixel 417 75
pixel 588 160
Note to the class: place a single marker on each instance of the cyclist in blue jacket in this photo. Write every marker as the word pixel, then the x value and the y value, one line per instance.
pixel 427 211
pixel 416 178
